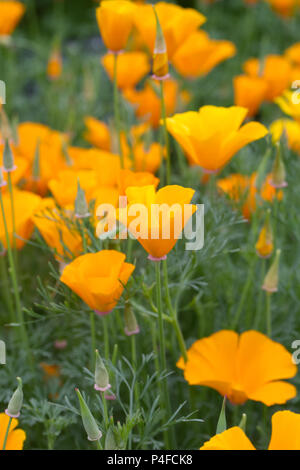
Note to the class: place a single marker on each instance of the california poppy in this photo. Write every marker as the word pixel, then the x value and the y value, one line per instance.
pixel 10 14
pixel 97 133
pixel 64 186
pixel 15 438
pixel 54 66
pixel 249 92
pixel 288 129
pixel 212 136
pixel 288 105
pixel 132 67
pixel 129 178
pixel 249 366
pixel 98 278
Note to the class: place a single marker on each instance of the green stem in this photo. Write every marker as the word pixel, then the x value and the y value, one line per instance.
pixel 117 110
pixel 6 289
pixel 6 434
pixel 82 227
pixel 134 365
pixel 173 313
pixel 106 338
pixel 166 135
pixel 93 339
pixel 105 412
pixel 268 314
pixel 99 446
pixel 244 295
pixel 11 193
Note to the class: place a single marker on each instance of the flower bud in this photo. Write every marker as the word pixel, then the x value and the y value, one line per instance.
pixel 88 420
pixel 270 283
pixel 160 55
pixel 101 375
pixel 16 401
pixel 243 422
pixel 110 442
pixel 264 246
pixel 81 207
pixel 131 325
pixel 8 158
pixel 278 170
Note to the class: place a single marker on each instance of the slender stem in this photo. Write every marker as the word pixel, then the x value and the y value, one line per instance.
pixel 173 313
pixel 6 289
pixel 260 302
pixel 134 365
pixel 99 446
pixel 11 193
pixel 244 295
pixel 166 135
pixel 84 243
pixel 165 401
pixel 105 412
pixel 6 434
pixel 93 338
pixel 106 338
pixel 117 110
pixel 268 314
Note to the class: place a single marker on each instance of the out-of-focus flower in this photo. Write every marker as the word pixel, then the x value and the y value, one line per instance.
pixel 249 92
pixel 288 129
pixel 98 278
pixel 285 8
pixel 212 136
pixel 97 133
pixel 11 13
pixel 199 54
pixel 129 178
pixel 271 279
pixel 15 438
pixel 249 366
pixel 57 233
pixel 243 189
pixel 64 186
pixel 148 159
pixel 54 66
pixel 50 370
pixel 288 106
pixel 161 229
pixel 115 21
pixel 25 205
pixel 160 64
pixel 177 24
pixel 132 67
pixel 285 435
pixel 274 69
pixel 147 103
pixel 265 246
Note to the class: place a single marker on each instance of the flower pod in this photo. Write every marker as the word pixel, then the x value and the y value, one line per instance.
pixel 88 420
pixel 101 375
pixel 278 170
pixel 110 442
pixel 160 54
pixel 131 325
pixel 16 401
pixel 8 158
pixel 81 207
pixel 264 246
pixel 270 283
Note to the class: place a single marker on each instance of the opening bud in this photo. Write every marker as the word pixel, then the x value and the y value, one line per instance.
pixel 88 420
pixel 16 401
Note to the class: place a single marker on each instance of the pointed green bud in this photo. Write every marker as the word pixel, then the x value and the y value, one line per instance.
pixel 131 325
pixel 222 425
pixel 88 420
pixel 8 158
pixel 243 422
pixel 278 170
pixel 160 43
pixel 16 401
pixel 101 375
pixel 36 162
pixel 160 55
pixel 270 283
pixel 110 441
pixel 81 207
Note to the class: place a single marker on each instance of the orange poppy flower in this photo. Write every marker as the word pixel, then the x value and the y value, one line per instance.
pixel 285 8
pixel 54 66
pixel 285 435
pixel 214 135
pixel 11 13
pixel 243 189
pixel 290 129
pixel 56 232
pixel 292 53
pixel 249 366
pixel 64 186
pixel 16 437
pixel 177 24
pixel 265 246
pixel 199 54
pixel 147 104
pixel 157 232
pixel 249 92
pixel 97 133
pixel 132 67
pixel 288 105
pixel 274 69
pixel 25 205
pixel 148 159
pixel 98 278
pixel 129 178
pixel 115 21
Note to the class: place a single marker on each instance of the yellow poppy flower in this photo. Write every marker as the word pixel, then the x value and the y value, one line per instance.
pixel 292 53
pixel 25 205
pixel 97 133
pixel 132 67
pixel 288 105
pixel 212 136
pixel 115 21
pixel 129 178
pixel 285 435
pixel 54 66
pixel 285 8
pixel 199 54
pixel 264 246
pixel 249 92
pixel 98 278
pixel 16 437
pixel 290 129
pixel 64 186
pixel 56 232
pixel 274 69
pixel 157 232
pixel 242 367
pixel 11 13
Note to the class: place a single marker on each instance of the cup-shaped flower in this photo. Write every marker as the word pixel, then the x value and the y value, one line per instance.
pixel 249 92
pixel 241 367
pixel 289 130
pixel 115 21
pixel 10 14
pixel 285 435
pixel 15 438
pixel 212 136
pixel 98 278
pixel 132 67
pixel 156 219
